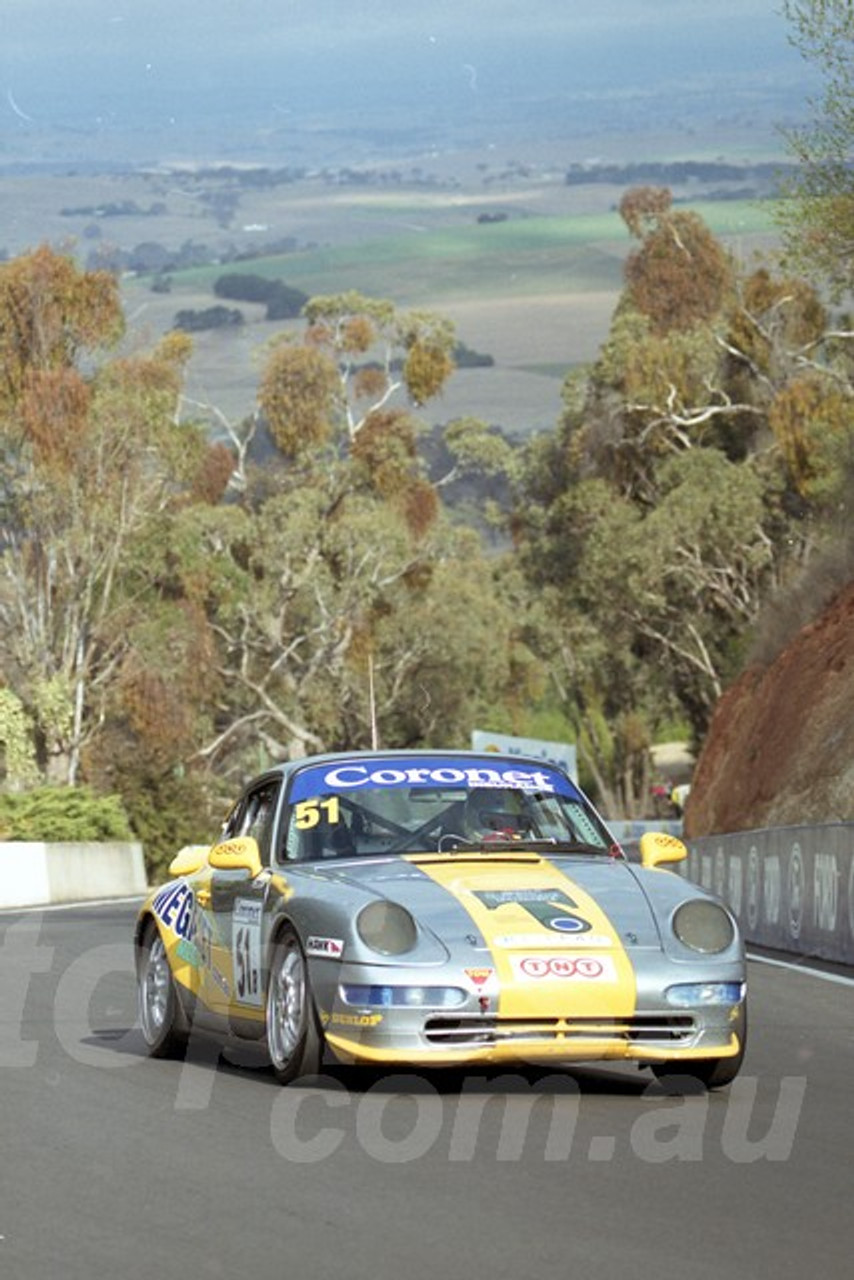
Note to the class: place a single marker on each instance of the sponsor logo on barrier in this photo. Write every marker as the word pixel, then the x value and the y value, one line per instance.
pixel 736 884
pixel 825 885
pixel 771 889
pixel 706 871
pixel 754 880
pixel 796 892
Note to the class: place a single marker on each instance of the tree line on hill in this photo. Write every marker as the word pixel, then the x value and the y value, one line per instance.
pixel 150 257
pixel 761 178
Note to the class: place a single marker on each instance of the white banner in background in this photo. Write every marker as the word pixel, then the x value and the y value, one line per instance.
pixel 562 754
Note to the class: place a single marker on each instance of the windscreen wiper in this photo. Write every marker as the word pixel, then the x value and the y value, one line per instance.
pixel 452 843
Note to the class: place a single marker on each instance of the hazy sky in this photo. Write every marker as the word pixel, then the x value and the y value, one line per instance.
pixel 89 60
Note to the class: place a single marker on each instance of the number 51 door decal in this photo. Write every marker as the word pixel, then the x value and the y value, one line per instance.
pixel 246 951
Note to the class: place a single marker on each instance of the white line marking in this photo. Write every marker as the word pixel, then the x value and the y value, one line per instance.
pixel 72 906
pixel 802 968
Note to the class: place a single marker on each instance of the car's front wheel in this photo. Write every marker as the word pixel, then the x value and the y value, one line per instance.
pixel 159 1011
pixel 294 1040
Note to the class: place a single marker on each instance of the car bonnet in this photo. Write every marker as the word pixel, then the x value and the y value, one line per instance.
pixel 508 900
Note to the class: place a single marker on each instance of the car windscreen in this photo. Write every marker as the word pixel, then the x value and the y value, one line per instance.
pixel 439 804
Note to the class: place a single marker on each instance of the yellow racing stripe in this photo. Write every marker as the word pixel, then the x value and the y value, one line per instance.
pixel 554 950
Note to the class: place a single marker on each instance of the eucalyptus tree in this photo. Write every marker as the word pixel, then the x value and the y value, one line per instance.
pixel 91 459
pixel 358 617
pixel 357 357
pixel 695 463
pixel 817 215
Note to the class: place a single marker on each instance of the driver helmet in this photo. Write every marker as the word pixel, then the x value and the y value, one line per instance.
pixel 492 813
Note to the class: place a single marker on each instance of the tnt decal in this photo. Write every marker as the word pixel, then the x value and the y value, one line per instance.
pixel 551 908
pixel 175 907
pixel 580 968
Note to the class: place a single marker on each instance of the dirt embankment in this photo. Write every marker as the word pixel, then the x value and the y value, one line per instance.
pixel 780 749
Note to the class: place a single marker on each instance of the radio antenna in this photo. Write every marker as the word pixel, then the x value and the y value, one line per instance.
pixel 374 734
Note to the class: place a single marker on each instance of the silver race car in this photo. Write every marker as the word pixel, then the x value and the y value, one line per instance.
pixel 439 908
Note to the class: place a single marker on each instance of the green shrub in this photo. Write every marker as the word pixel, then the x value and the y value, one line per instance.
pixel 209 318
pixel 62 813
pixel 168 812
pixel 283 301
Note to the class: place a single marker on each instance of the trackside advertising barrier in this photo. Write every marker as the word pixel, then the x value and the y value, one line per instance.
pixel 791 888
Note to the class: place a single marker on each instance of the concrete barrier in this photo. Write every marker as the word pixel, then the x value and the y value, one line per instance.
pixel 792 888
pixel 37 874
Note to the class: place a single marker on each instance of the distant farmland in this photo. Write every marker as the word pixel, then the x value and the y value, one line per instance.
pixel 417 266
pixel 535 291
pixel 415 263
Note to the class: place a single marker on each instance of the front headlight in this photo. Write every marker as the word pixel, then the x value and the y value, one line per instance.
pixel 363 996
pixel 703 926
pixel 386 927
pixel 694 995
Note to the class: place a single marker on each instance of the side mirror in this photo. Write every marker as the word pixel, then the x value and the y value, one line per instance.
pixel 657 847
pixel 241 854
pixel 189 860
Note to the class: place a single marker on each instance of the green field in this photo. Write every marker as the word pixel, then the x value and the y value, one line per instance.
pixel 524 256
pixel 736 217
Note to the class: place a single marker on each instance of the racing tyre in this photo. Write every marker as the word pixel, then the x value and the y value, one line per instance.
pixel 294 1040
pixel 712 1073
pixel 159 1011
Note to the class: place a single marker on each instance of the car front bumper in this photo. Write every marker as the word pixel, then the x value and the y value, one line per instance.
pixel 478 1030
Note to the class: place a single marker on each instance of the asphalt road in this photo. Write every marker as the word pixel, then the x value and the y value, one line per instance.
pixel 113 1165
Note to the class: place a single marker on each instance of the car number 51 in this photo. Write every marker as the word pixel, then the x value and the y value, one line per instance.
pixel 247 951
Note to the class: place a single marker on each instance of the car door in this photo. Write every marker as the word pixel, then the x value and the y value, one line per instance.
pixel 233 983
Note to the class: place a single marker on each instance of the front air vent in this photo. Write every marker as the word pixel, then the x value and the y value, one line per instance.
pixel 651 1029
